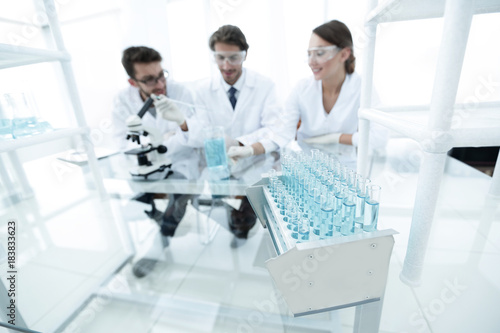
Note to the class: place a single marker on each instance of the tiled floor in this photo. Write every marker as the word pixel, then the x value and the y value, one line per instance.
pixel 213 287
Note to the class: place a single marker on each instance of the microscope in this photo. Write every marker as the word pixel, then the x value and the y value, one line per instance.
pixel 151 156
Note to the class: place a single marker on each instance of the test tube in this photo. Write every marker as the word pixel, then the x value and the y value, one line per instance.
pixel 351 179
pixel 361 183
pixel 340 193
pixel 296 170
pixel 280 195
pixel 372 201
pixel 285 198
pixel 303 229
pixel 348 211
pixel 292 214
pixel 327 207
pixel 315 219
pixel 337 169
pixel 302 187
pixel 315 154
pixel 272 178
pixel 343 173
pixel 308 196
pixel 275 184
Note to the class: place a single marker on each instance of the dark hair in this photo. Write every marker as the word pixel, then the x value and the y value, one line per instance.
pixel 338 33
pixel 138 54
pixel 228 34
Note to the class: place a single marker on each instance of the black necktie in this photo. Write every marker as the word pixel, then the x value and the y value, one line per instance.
pixel 232 98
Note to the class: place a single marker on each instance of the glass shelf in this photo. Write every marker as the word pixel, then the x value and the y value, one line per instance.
pixel 13 144
pixel 13 56
pixel 470 128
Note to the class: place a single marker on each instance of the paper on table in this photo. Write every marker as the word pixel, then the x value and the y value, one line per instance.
pixel 79 157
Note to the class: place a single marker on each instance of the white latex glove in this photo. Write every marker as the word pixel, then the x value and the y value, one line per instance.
pixel 167 109
pixel 324 139
pixel 239 152
pixel 230 141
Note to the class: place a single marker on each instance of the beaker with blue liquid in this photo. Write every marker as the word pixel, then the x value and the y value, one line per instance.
pixel 215 153
pixel 25 122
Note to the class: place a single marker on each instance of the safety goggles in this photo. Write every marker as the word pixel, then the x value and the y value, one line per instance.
pixel 233 58
pixel 322 54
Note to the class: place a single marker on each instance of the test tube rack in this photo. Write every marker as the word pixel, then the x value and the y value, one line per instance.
pixel 328 274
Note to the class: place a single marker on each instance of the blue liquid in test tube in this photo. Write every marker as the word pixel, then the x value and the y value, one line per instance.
pixel 360 211
pixel 371 216
pixel 316 208
pixel 327 210
pixel 311 207
pixel 361 183
pixel 308 199
pixel 371 208
pixel 337 213
pixel 325 228
pixel 293 216
pixel 348 212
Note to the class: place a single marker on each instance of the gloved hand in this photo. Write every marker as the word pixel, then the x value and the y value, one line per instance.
pixel 230 141
pixel 240 152
pixel 324 139
pixel 167 109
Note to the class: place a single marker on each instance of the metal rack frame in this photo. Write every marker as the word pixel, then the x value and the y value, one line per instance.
pixel 330 274
pixel 437 136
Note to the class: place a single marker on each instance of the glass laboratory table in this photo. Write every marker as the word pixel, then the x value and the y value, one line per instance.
pixel 267 262
pixel 243 174
pixel 210 286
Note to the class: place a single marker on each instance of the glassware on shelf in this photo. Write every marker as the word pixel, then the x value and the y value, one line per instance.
pixel 23 111
pixel 5 129
pixel 5 120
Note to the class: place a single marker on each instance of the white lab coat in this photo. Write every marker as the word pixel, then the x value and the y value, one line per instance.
pixel 254 119
pixel 185 159
pixel 306 103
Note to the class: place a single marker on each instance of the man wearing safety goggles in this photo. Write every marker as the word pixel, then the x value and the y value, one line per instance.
pixel 244 103
pixel 147 79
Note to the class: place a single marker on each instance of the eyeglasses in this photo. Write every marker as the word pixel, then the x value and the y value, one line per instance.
pixel 152 81
pixel 322 54
pixel 233 58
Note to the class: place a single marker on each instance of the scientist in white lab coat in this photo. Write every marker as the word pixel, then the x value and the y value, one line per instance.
pixel 148 78
pixel 327 103
pixel 242 101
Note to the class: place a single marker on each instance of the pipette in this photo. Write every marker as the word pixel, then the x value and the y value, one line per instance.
pixel 184 103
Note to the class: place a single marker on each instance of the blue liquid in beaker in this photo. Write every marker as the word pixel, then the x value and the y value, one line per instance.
pixel 215 152
pixel 5 129
pixel 22 127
